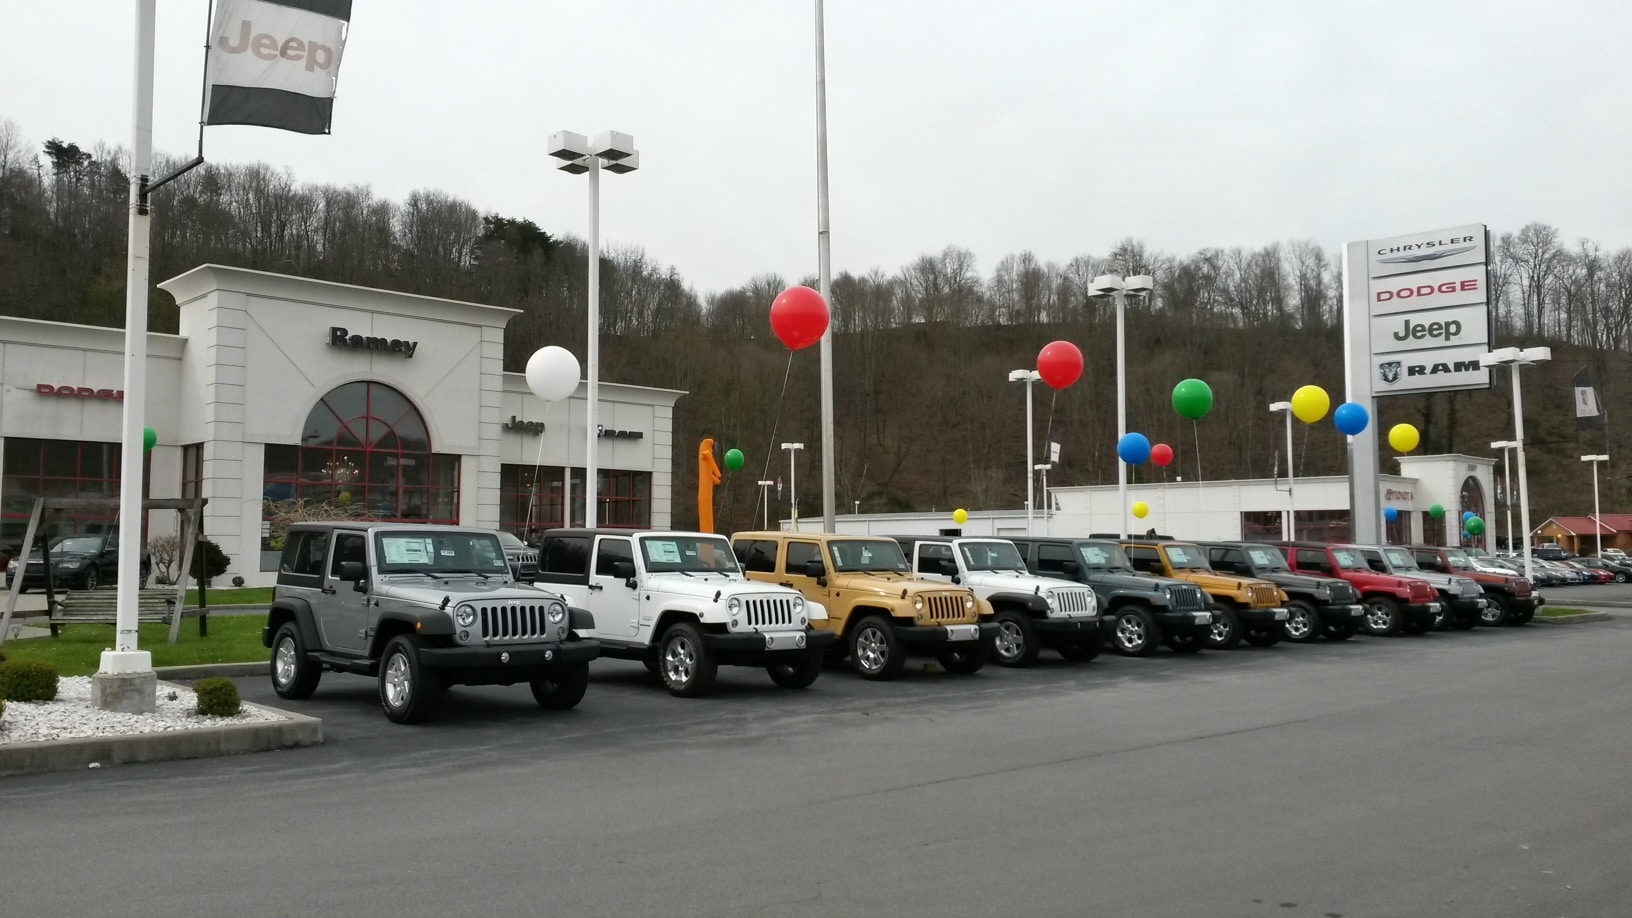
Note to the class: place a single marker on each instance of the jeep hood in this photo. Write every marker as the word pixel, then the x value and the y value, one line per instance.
pixel 424 590
pixel 888 584
pixel 1117 580
pixel 1296 581
pixel 706 586
pixel 1016 582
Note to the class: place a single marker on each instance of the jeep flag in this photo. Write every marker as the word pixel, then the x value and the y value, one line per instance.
pixel 1586 402
pixel 274 63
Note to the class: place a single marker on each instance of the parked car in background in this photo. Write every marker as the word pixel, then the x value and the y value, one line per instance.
pixel 1567 576
pixel 1509 599
pixel 79 562
pixel 1619 569
pixel 1551 552
pixel 1542 574
pixel 1615 554
pixel 1315 604
pixel 1594 574
pixel 523 558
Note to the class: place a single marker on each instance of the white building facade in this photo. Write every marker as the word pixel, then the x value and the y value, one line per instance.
pixel 283 395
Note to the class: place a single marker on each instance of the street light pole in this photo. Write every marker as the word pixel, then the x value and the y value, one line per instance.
pixel 1513 358
pixel 1597 525
pixel 1288 528
pixel 616 153
pixel 1113 286
pixel 1028 377
pixel 793 481
pixel 765 498
pixel 1507 485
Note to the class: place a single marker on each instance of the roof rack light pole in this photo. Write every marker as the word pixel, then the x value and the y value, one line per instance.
pixel 615 152
pixel 1513 358
pixel 1597 519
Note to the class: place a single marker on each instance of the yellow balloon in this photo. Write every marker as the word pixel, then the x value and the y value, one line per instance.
pixel 960 516
pixel 1310 404
pixel 1141 509
pixel 1403 437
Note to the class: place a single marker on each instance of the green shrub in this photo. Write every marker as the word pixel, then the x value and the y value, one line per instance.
pixel 28 680
pixel 209 561
pixel 217 697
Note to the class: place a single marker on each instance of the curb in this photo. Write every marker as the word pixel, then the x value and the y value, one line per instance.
pixel 293 731
pixel 1572 619
pixel 203 670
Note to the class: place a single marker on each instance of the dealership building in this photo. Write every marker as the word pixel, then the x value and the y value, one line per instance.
pixel 1241 509
pixel 283 395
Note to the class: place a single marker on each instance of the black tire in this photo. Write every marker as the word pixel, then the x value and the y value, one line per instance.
pixel 684 663
pixel 293 675
pixel 1620 576
pixel 1466 623
pixel 1186 642
pixel 1302 622
pixel 1225 631
pixel 1134 632
pixel 90 578
pixel 970 658
pixel 1382 616
pixel 562 691
pixel 797 675
pixel 1016 641
pixel 650 662
pixel 1523 617
pixel 1416 626
pixel 1341 632
pixel 1500 615
pixel 406 694
pixel 873 648
pixel 1263 637
pixel 1081 651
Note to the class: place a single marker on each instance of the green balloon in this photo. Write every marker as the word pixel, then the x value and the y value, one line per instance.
pixel 733 459
pixel 1437 512
pixel 1476 526
pixel 1192 399
pixel 149 438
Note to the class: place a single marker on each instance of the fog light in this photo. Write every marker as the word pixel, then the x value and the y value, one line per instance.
pixel 504 657
pixel 464 636
pixel 549 655
pixel 799 640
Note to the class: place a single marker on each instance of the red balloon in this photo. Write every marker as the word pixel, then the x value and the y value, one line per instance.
pixel 1161 454
pixel 1059 363
pixel 799 317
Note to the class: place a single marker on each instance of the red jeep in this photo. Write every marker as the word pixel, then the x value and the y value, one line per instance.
pixel 1393 604
pixel 1513 600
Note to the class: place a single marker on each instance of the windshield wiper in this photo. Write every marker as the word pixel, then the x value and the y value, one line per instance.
pixel 477 573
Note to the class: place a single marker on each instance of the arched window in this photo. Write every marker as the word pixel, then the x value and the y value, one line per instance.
pixel 364 451
pixel 1473 498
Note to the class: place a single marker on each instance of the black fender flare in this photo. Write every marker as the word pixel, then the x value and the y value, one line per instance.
pixel 1031 602
pixel 298 611
pixel 580 619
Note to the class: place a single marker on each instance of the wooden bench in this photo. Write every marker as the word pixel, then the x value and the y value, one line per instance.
pixel 83 607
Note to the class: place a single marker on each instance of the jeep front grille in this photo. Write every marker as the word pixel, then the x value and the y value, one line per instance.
pixel 769 612
pixel 947 608
pixel 1262 594
pixel 513 623
pixel 1186 598
pixel 1074 602
pixel 1468 588
pixel 1343 592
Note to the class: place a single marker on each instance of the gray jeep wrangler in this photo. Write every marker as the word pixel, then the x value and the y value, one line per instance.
pixel 420 608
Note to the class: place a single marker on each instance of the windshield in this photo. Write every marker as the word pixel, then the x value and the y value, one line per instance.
pixel 1349 560
pixel 1265 558
pixel 84 545
pixel 690 554
pixel 511 542
pixel 1458 560
pixel 1400 560
pixel 444 552
pixel 1185 557
pixel 1104 556
pixel 878 555
pixel 991 556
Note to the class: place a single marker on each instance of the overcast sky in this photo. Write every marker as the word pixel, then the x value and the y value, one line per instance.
pixel 1058 126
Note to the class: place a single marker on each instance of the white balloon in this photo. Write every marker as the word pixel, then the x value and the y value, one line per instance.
pixel 552 373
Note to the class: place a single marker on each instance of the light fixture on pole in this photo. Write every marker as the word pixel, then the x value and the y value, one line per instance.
pixel 793 481
pixel 615 152
pixel 765 485
pixel 1507 485
pixel 1513 358
pixel 1597 524
pixel 1288 527
pixel 1120 288
pixel 1028 377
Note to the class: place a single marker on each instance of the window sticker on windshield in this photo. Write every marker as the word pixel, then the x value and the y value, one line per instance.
pixel 663 552
pixel 1095 555
pixel 1260 557
pixel 407 551
pixel 1177 555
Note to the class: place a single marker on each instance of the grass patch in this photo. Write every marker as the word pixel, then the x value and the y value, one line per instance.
pixel 233 596
pixel 78 651
pixel 1561 612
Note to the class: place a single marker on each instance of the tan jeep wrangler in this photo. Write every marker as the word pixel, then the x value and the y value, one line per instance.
pixel 880 610
pixel 1242 606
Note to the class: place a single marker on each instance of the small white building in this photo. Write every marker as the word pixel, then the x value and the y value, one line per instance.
pixel 281 389
pixel 1247 509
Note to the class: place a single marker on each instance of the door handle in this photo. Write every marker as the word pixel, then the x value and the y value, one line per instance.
pixel 329 590
pixel 596 586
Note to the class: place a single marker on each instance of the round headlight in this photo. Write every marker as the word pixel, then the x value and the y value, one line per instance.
pixel 969 602
pixel 464 616
pixel 733 604
pixel 556 612
pixel 917 602
pixel 799 605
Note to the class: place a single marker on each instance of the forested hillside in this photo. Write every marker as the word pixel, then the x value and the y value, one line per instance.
pixel 925 414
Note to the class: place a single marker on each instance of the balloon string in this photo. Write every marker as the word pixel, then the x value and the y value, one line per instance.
pixel 1196 432
pixel 538 495
pixel 776 422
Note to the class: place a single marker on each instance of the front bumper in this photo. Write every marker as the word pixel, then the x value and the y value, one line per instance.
pixel 541 657
pixel 1196 622
pixel 762 648
pixel 919 636
pixel 1341 613
pixel 1464 608
pixel 1420 613
pixel 1262 618
pixel 1052 631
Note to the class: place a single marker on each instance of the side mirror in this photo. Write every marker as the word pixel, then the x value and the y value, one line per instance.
pixel 624 570
pixel 1070 569
pixel 357 573
pixel 948 568
pixel 815 568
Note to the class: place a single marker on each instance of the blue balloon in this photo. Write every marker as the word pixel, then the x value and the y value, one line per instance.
pixel 1391 514
pixel 1133 448
pixel 1351 418
pixel 1468 515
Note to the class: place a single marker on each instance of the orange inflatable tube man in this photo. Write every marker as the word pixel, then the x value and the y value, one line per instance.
pixel 708 475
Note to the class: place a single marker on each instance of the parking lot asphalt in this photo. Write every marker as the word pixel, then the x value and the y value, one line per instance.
pixel 1476 773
